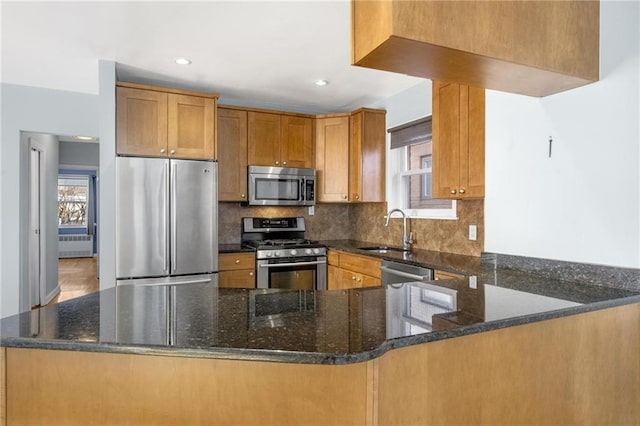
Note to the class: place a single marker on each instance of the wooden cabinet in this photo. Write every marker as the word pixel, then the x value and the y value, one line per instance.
pixel 237 270
pixel 159 122
pixel 296 148
pixel 348 270
pixel 232 155
pixel 279 140
pixel 350 157
pixel 367 129
pixel 332 158
pixel 458 141
pixel 141 117
pixel 526 47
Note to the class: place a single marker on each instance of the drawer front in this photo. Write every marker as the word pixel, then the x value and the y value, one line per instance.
pixel 333 257
pixel 361 264
pixel 369 281
pixel 243 278
pixel 234 261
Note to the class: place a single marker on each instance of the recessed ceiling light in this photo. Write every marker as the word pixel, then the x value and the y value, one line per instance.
pixel 183 61
pixel 85 138
pixel 321 82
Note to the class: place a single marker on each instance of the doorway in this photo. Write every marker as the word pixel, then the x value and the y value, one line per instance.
pixel 60 249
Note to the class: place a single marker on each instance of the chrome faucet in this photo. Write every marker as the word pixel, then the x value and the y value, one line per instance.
pixel 406 240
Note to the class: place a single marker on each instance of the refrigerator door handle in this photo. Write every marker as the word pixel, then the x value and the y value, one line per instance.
pixel 174 230
pixel 164 283
pixel 167 247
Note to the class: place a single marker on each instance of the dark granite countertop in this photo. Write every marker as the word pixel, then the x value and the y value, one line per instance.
pixel 321 327
pixel 449 262
pixel 234 248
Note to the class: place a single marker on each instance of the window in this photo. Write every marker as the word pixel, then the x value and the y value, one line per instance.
pixel 410 161
pixel 73 194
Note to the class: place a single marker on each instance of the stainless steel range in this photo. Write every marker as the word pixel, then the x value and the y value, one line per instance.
pixel 284 258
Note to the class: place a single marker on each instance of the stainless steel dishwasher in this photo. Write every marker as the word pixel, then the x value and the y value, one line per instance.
pixel 396 272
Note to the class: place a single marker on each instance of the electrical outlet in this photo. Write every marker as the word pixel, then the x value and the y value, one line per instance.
pixel 473 232
pixel 473 281
pixel 312 210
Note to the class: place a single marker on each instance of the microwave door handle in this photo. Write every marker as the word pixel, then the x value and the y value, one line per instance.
pixel 302 190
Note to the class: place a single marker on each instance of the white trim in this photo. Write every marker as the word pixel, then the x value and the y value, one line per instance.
pixel 77 167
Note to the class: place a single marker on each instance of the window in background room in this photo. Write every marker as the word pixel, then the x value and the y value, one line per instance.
pixel 410 168
pixel 73 196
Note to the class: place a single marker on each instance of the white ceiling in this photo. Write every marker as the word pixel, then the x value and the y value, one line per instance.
pixel 263 53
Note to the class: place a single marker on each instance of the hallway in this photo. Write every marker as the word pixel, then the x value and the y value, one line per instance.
pixel 77 277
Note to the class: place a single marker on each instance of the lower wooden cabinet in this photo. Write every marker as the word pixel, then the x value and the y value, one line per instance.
pixel 237 270
pixel 348 270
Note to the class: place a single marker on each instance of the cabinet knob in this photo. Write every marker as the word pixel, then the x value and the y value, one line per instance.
pixel 353 278
pixel 250 274
pixel 162 151
pixel 344 197
pixel 173 151
pixel 242 195
pixel 357 197
pixel 237 261
pixel 462 191
pixel 284 163
pixel 453 191
pixel 359 279
pixel 277 163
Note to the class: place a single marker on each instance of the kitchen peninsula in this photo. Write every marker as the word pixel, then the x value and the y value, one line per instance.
pixel 360 356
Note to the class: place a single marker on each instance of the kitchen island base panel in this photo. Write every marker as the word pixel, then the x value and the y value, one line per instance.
pixel 80 388
pixel 579 369
pixel 582 369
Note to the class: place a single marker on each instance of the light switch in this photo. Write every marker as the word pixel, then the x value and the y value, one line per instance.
pixel 473 281
pixel 312 210
pixel 473 232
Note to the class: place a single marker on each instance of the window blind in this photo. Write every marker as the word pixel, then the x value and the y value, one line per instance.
pixel 416 131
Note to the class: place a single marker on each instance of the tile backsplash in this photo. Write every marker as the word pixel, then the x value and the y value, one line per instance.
pixel 365 222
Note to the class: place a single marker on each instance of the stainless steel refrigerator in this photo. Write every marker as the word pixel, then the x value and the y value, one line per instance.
pixel 166 245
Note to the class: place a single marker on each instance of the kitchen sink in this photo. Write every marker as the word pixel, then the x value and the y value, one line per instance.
pixel 384 249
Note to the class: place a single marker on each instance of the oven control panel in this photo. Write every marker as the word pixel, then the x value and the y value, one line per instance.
pixel 290 252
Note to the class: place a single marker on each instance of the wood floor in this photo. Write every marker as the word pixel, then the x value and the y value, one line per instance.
pixel 76 277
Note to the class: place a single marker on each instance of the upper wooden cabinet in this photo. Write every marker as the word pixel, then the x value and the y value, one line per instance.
pixel 232 155
pixel 458 141
pixel 350 156
pixel 534 48
pixel 367 129
pixel 332 159
pixel 280 140
pixel 159 122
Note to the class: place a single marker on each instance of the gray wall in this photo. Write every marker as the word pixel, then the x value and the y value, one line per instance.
pixel 79 154
pixel 39 110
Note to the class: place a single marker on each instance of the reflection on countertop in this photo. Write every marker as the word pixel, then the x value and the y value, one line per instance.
pixel 330 327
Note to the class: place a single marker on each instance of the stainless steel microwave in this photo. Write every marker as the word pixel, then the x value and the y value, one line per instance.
pixel 281 186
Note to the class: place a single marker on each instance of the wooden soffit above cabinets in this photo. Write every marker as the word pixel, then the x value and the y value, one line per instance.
pixel 534 48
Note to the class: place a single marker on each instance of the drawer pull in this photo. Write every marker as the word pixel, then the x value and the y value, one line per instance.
pixel 237 261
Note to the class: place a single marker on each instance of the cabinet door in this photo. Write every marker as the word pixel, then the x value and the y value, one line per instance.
pixel 367 156
pixel 296 149
pixel 334 278
pixel 332 159
pixel 263 139
pixel 191 127
pixel 141 122
pixel 458 141
pixel 232 155
pixel 241 278
pixel 446 140
pixel 472 141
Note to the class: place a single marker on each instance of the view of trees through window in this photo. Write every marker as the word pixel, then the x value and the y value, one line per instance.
pixel 72 200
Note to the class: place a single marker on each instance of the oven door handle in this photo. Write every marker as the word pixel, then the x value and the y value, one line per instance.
pixel 271 265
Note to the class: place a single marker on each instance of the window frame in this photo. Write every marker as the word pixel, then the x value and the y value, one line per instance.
pixel 85 178
pixel 398 169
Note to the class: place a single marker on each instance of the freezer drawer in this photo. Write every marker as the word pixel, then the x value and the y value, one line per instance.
pixel 177 311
